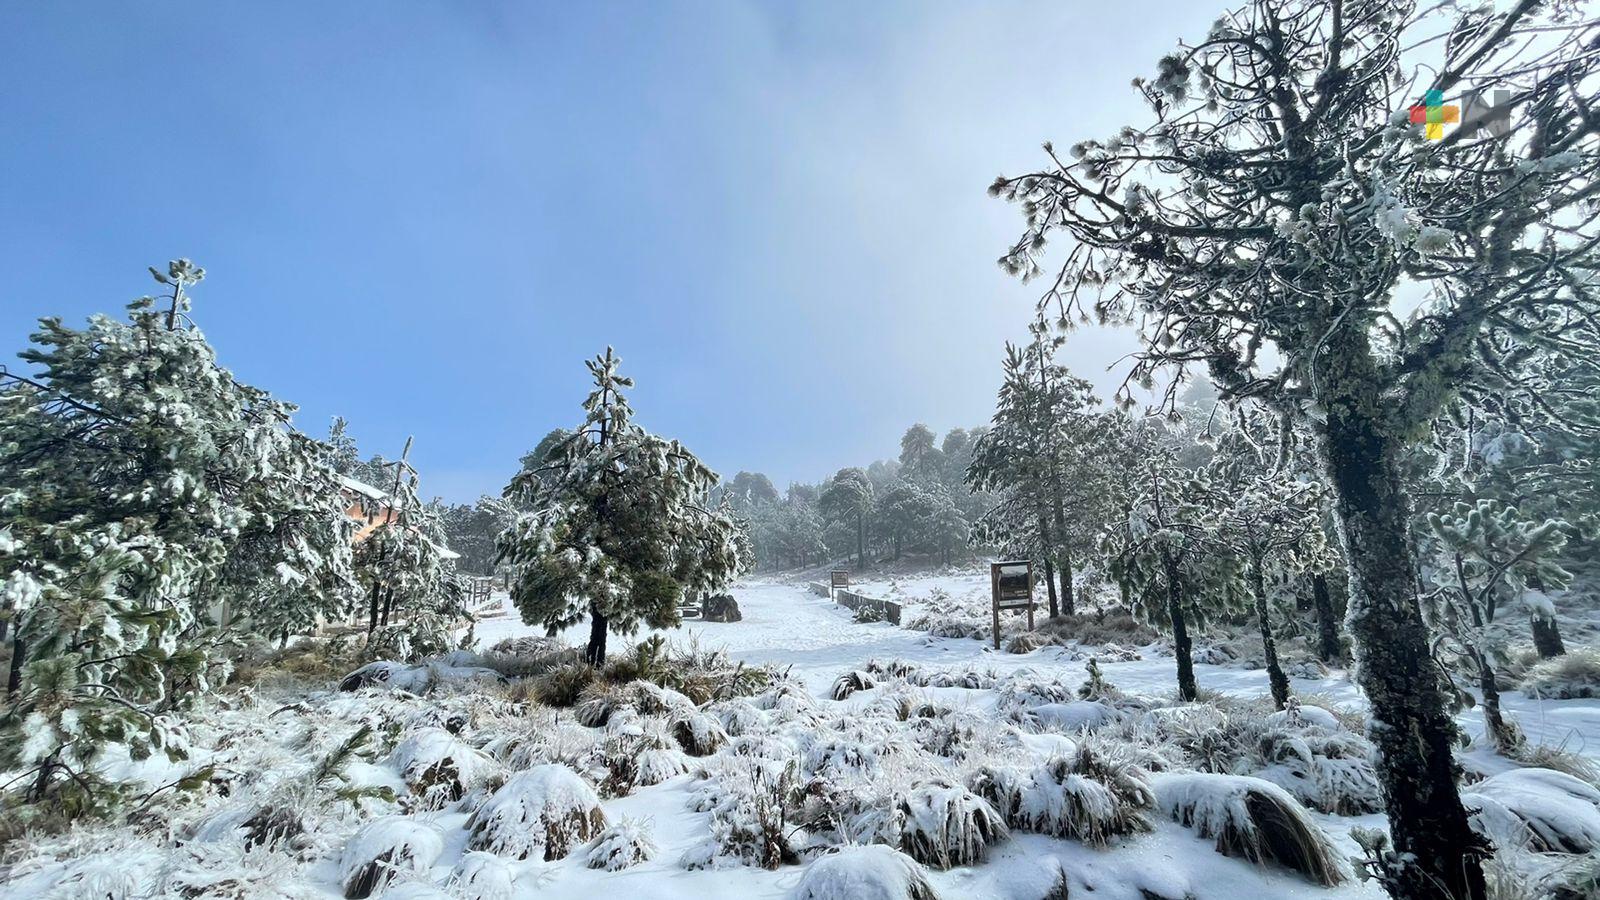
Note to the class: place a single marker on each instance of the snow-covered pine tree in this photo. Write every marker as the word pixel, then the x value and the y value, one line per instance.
pixel 1162 553
pixel 1477 557
pixel 1278 198
pixel 141 482
pixel 1270 519
pixel 619 529
pixel 414 596
pixel 849 497
pixel 1042 448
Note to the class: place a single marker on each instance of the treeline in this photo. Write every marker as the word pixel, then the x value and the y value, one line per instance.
pixel 918 503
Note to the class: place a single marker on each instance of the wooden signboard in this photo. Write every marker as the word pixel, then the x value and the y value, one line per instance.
pixel 837 579
pixel 1012 586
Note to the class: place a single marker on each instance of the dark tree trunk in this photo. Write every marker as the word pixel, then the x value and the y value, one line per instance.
pixel 1275 676
pixel 1050 586
pixel 861 540
pixel 595 653
pixel 1547 638
pixel 1504 736
pixel 388 605
pixel 372 608
pixel 1414 731
pixel 1327 620
pixel 19 655
pixel 1182 646
pixel 1068 604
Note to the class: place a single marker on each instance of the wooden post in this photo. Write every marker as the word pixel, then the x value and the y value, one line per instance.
pixel 994 589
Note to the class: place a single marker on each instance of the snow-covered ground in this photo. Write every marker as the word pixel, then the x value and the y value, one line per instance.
pixel 787 626
pixel 783 625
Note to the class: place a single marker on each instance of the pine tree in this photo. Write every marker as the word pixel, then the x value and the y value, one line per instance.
pixel 1270 519
pixel 143 484
pixel 1477 556
pixel 619 529
pixel 849 496
pixel 1163 553
pixel 1260 225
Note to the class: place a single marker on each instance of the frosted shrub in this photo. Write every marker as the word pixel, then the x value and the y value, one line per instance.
pixel 738 717
pixel 1328 771
pixel 851 682
pixel 1253 819
pixel 384 850
pixel 1541 810
pixel 698 733
pixel 750 801
pixel 545 811
pixel 482 876
pixel 1575 674
pixel 942 824
pixel 1089 797
pixel 864 873
pixel 621 845
pixel 596 704
pixel 440 768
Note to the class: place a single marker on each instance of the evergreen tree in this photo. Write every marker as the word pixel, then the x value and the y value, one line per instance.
pixel 1260 224
pixel 848 497
pixel 143 484
pixel 618 528
pixel 1477 556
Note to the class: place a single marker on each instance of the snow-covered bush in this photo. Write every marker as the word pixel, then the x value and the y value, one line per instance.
pixel 738 717
pixel 865 873
pixel 942 824
pixel 596 704
pixel 751 800
pixel 482 876
pixel 621 845
pixel 698 733
pixel 1250 818
pixel 544 811
pixel 1328 770
pixel 1088 797
pixel 851 682
pixel 385 850
pixel 1575 674
pixel 563 685
pixel 440 767
pixel 1537 809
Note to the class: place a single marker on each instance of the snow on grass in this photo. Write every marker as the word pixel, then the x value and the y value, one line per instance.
pixel 865 873
pixel 543 812
pixel 797 776
pixel 385 850
pixel 1537 809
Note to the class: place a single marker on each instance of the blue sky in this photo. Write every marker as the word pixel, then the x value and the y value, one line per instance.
pixel 424 216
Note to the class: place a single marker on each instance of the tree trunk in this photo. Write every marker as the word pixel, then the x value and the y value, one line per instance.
pixel 1050 586
pixel 1275 676
pixel 19 656
pixel 1503 735
pixel 1547 638
pixel 1412 728
pixel 388 605
pixel 1182 646
pixel 595 653
pixel 372 608
pixel 1068 604
pixel 861 540
pixel 1327 620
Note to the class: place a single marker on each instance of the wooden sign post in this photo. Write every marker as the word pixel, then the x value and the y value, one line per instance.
pixel 837 579
pixel 1012 585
